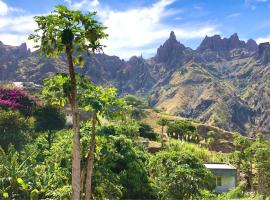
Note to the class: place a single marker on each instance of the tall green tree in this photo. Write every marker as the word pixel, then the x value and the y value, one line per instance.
pixel 183 130
pixel 49 119
pixel 72 33
pixel 252 158
pixel 243 157
pixel 99 101
pixel 162 122
pixel 261 154
pixel 179 175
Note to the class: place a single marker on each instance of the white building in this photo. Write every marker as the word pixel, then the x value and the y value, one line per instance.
pixel 84 116
pixel 225 176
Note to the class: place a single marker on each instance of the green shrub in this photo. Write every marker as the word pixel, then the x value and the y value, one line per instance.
pixel 239 193
pixel 179 175
pixel 190 148
pixel 146 131
pixel 129 129
pixel 106 130
pixel 15 129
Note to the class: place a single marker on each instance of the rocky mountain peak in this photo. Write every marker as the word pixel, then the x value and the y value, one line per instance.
pixel 170 50
pixel 216 43
pixel 22 50
pixel 135 59
pixel 213 43
pixel 233 42
pixel 23 46
pixel 172 36
pixel 252 45
pixel 234 36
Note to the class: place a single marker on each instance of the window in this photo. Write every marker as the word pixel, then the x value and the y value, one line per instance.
pixel 218 181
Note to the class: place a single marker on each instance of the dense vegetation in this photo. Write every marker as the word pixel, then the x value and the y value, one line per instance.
pixel 35 158
pixel 40 155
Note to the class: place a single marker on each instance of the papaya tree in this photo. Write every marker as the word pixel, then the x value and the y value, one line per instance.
pixel 99 101
pixel 71 33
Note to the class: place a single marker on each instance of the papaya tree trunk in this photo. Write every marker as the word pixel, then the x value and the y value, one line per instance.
pixel 90 160
pixel 83 178
pixel 76 168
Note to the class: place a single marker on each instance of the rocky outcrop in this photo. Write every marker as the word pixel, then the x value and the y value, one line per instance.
pixel 233 42
pixel 264 52
pixel 216 43
pixel 171 51
pixel 137 75
pixel 213 43
pixel 10 56
pixel 251 45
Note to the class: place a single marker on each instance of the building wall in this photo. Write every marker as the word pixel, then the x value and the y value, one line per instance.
pixel 227 183
pixel 69 119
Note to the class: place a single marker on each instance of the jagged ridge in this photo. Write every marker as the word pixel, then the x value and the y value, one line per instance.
pixel 216 84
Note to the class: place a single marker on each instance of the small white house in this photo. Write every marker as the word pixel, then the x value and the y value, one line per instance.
pixel 225 176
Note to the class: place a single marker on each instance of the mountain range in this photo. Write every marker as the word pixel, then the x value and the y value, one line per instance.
pixel 224 82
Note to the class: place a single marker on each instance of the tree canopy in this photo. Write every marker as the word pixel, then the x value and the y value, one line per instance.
pixel 68 27
pixel 179 175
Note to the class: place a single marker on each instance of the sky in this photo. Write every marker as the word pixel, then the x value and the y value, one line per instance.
pixel 139 27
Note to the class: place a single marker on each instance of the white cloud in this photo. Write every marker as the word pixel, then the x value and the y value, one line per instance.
pixel 233 15
pixel 3 8
pixel 14 29
pixel 12 39
pixel 83 5
pixel 263 39
pixel 252 4
pixel 255 1
pixel 142 30
pixel 16 10
pixel 134 31
pixel 20 24
pixel 178 18
pixel 15 39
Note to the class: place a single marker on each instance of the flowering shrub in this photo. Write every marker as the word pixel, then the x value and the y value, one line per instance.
pixel 14 98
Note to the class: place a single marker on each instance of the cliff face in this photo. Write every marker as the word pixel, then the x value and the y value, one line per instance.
pixel 216 43
pixel 10 57
pixel 224 82
pixel 264 52
pixel 171 52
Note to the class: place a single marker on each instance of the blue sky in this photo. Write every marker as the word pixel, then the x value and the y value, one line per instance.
pixel 138 27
